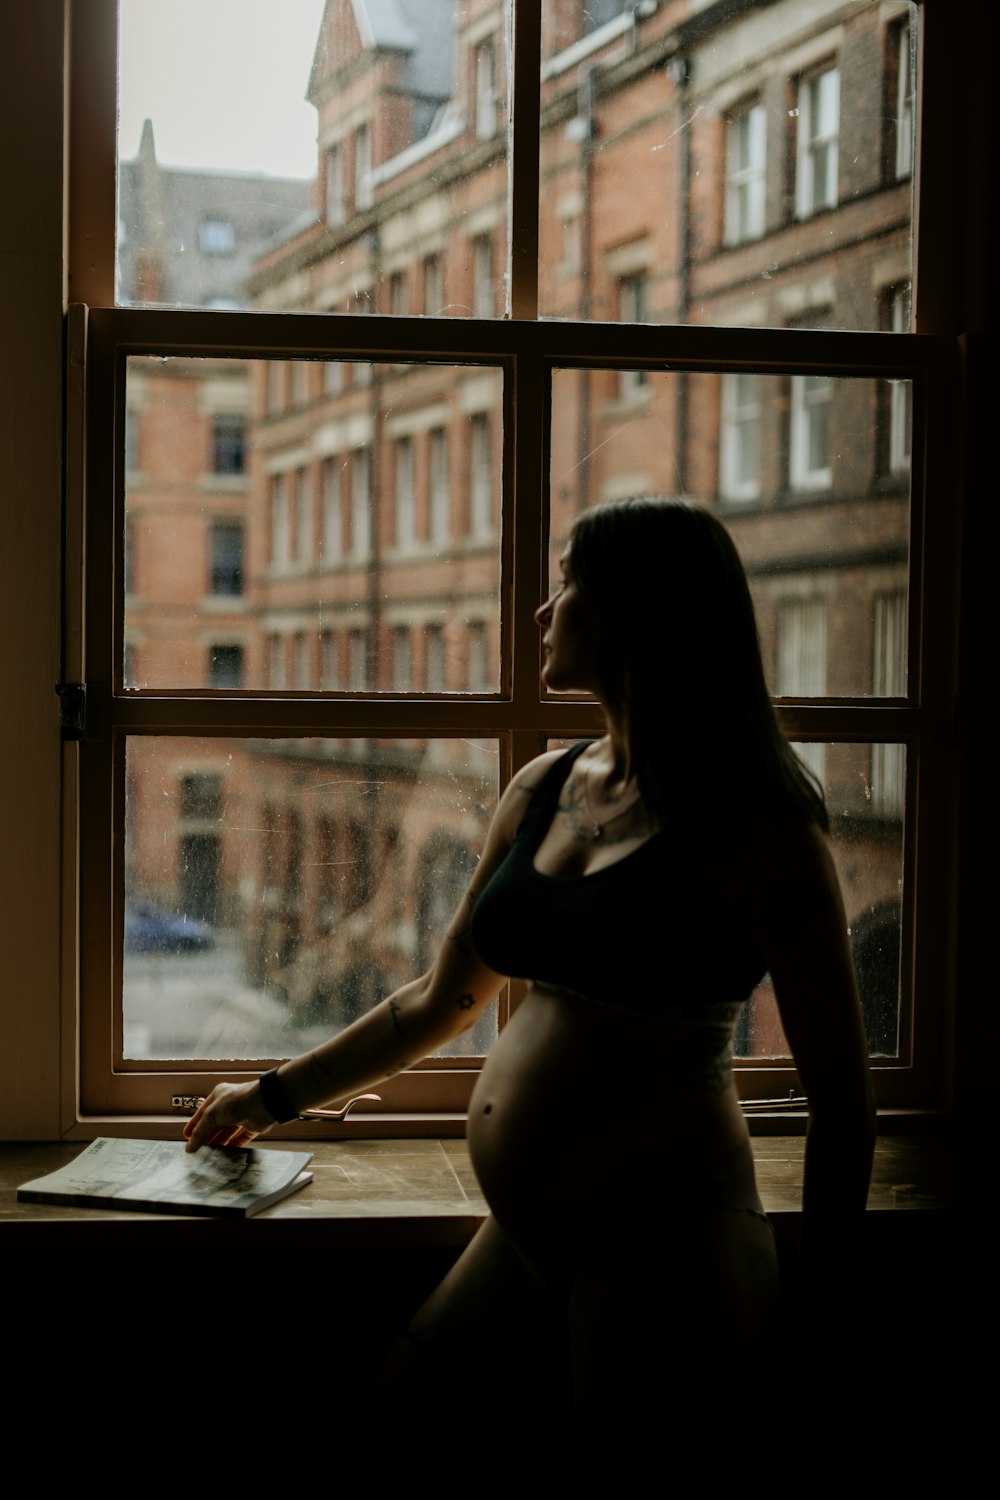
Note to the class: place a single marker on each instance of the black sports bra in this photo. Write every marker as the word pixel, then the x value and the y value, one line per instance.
pixel 648 933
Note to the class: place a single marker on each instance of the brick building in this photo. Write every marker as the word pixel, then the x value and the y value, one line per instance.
pixel 746 168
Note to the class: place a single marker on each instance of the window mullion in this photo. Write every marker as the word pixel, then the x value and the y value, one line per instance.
pixel 523 136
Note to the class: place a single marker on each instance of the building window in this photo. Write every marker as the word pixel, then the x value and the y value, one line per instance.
pixel 477 670
pixel 274 395
pixel 336 197
pixel 440 497
pixel 889 681
pixel 303 516
pixel 802 663
pixel 904 100
pixel 809 449
pixel 363 167
pixel 281 550
pixel 227 542
pixel 483 295
pixel 746 154
pixel 486 100
pixel 357 660
pixel 739 455
pixel 405 495
pixel 216 237
pixel 433 285
pixel 900 391
pixel 434 672
pixel 300 382
pixel 633 307
pixel 361 504
pixel 402 666
pixel 276 674
pixel 818 130
pixel 399 302
pixel 225 666
pixel 333 521
pixel 480 477
pixel 229 443
pixel 329 676
pixel 201 796
pixel 300 661
pixel 333 377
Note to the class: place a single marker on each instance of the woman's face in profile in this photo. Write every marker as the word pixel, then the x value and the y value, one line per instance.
pixel 569 636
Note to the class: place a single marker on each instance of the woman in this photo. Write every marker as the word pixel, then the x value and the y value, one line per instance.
pixel 644 883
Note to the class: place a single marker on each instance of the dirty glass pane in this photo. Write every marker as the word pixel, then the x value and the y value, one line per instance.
pixel 291 154
pixel 299 525
pixel 754 167
pixel 277 889
pixel 864 787
pixel 809 474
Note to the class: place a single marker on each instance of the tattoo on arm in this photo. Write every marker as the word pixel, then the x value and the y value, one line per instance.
pixel 466 1002
pixel 394 1010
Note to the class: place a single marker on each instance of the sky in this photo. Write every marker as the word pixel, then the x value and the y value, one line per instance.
pixel 223 82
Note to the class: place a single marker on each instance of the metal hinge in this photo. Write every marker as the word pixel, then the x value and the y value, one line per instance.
pixel 78 706
pixel 186 1104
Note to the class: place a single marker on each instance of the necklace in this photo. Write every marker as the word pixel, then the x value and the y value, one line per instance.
pixel 597 827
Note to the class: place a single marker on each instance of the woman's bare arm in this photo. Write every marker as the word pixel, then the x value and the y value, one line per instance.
pixel 410 1024
pixel 803 932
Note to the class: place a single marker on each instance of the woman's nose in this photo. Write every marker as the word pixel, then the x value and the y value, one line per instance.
pixel 543 613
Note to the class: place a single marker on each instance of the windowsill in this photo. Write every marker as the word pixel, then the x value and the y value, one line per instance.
pixel 419 1193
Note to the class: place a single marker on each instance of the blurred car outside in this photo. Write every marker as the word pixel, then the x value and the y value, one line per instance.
pixel 150 928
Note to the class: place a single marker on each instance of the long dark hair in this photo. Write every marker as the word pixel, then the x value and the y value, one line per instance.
pixel 678 655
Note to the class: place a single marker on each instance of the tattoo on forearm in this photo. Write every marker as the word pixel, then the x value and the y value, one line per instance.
pixel 466 1002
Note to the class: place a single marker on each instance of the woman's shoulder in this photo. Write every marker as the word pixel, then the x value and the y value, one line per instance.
pixel 522 789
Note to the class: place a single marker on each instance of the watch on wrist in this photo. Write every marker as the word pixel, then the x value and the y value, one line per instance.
pixel 274 1098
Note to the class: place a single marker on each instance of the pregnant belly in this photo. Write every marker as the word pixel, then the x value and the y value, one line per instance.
pixel 571 1092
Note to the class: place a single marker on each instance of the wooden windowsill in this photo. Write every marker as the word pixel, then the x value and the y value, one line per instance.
pixel 419 1193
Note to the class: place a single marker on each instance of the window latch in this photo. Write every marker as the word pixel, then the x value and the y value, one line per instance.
pixel 78 705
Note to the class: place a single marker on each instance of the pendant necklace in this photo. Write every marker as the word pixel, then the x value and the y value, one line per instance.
pixel 597 827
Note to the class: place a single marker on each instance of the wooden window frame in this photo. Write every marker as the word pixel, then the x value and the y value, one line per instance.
pixel 527 350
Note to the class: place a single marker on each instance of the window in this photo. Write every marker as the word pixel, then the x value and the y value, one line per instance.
pixel 281 550
pixel 480 477
pixel 336 196
pixel 802 663
pixel 216 237
pixel 809 449
pixel 900 391
pixel 303 516
pixel 739 477
pixel 435 659
pixel 633 307
pixel 402 665
pixel 889 681
pixel 399 301
pixel 333 521
pixel 363 167
pixel 361 512
pixel 483 295
pixel 433 285
pixel 227 543
pixel 440 494
pixel 904 100
pixel 300 661
pixel 405 496
pixel 329 674
pixel 229 443
pixel 746 146
pixel 353 437
pixel 486 102
pixel 818 130
pixel 225 666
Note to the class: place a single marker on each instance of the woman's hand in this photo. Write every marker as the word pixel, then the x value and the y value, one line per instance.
pixel 232 1115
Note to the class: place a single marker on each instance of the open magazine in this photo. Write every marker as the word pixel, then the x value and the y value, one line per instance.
pixel 162 1177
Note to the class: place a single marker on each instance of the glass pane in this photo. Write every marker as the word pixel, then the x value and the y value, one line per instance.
pixel 811 478
pixel 283 153
pixel 277 889
pixel 299 525
pixel 865 787
pixel 761 176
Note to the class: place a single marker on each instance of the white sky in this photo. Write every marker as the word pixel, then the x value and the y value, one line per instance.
pixel 223 82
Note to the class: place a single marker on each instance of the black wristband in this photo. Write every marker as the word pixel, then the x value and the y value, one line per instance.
pixel 274 1098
